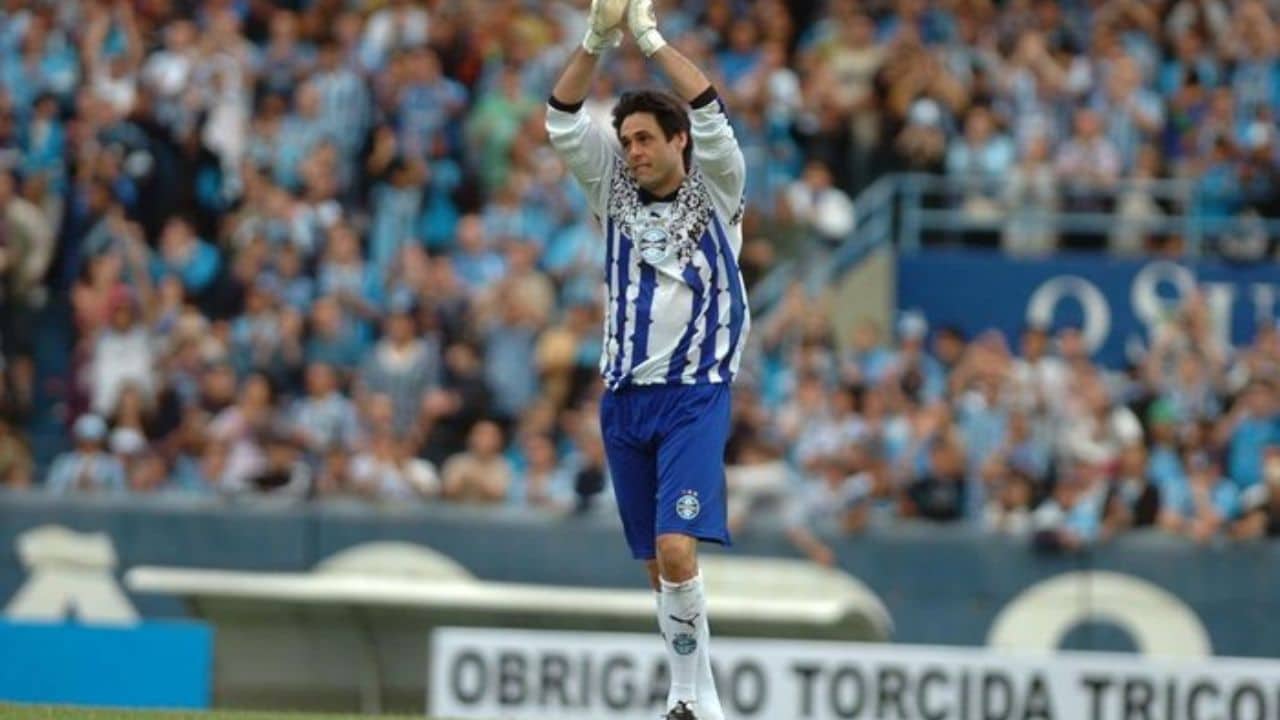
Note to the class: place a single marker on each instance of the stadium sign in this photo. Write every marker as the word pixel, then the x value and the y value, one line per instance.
pixel 535 675
pixel 1116 303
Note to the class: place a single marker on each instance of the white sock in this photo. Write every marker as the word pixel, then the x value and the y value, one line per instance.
pixel 708 699
pixel 684 628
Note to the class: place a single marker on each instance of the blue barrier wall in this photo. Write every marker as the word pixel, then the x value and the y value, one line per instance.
pixel 151 665
pixel 1114 300
pixel 942 585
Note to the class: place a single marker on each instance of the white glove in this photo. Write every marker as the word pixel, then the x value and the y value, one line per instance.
pixel 644 26
pixel 604 25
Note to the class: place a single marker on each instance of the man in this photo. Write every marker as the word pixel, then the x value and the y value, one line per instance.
pixel 88 468
pixel 671 205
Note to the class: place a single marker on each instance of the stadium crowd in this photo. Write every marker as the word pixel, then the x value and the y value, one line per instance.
pixel 319 248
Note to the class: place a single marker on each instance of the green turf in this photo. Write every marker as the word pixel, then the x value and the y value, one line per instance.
pixel 45 712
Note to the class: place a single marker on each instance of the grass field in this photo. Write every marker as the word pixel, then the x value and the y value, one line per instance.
pixel 45 712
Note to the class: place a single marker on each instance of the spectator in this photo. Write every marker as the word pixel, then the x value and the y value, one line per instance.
pixel 1098 430
pixel 543 481
pixel 397 206
pixel 285 59
pixel 429 105
pixel 757 475
pixel 1133 113
pixel 494 124
pixel 981 159
pixel 297 290
pixel 389 471
pixel 511 340
pixel 1031 194
pixel 1071 520
pixel 333 476
pixel 1134 499
pixel 168 73
pixel 325 418
pixel 257 333
pixel 824 210
pixel 193 260
pixel 88 468
pixel 477 264
pixel 401 366
pixel 1261 502
pixel 589 481
pixel 1203 504
pixel 283 472
pixel 130 447
pixel 1088 164
pixel 1248 429
pixel 938 493
pixel 16 463
pixel 1027 446
pixel 397 26
pixel 344 100
pixel 833 502
pixel 344 275
pixel 237 453
pixel 334 339
pixel 480 474
pixel 1009 511
pixel 27 248
pixel 122 355
pixel 1137 210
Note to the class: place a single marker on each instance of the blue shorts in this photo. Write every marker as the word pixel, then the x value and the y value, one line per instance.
pixel 665 445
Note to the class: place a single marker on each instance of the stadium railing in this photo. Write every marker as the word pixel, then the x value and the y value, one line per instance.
pixel 905 209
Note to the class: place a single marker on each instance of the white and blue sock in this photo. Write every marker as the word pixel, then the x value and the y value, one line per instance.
pixel 682 617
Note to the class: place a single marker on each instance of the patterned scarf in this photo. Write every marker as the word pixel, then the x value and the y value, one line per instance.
pixel 686 221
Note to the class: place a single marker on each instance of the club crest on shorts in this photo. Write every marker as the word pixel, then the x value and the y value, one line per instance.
pixel 688 507
pixel 684 644
pixel 654 244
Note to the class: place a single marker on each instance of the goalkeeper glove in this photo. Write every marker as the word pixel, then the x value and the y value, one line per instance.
pixel 644 26
pixel 604 23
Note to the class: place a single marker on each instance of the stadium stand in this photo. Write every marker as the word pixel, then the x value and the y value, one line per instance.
pixel 319 250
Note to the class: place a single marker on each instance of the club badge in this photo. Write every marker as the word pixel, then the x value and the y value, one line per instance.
pixel 688 507
pixel 654 244
pixel 685 644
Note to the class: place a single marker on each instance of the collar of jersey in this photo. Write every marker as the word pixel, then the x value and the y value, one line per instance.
pixel 647 197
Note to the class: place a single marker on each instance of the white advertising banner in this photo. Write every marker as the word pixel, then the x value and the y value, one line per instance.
pixel 534 675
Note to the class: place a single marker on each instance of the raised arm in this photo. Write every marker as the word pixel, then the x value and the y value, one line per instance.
pixel 575 81
pixel 585 148
pixel 715 148
pixel 583 145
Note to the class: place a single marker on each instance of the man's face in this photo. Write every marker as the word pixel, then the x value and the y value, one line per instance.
pixel 656 162
pixel 400 328
pixel 1034 344
pixel 122 317
pixel 320 380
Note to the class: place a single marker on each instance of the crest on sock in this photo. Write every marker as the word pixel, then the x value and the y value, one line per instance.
pixel 684 644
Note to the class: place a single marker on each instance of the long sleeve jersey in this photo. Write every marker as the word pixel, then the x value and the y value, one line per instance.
pixel 676 308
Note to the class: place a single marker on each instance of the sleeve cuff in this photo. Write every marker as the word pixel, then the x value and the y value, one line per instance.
pixel 705 98
pixel 564 106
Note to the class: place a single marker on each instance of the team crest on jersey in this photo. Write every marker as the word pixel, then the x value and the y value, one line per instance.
pixel 690 214
pixel 688 507
pixel 654 245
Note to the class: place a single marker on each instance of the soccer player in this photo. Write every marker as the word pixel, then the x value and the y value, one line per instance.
pixel 671 203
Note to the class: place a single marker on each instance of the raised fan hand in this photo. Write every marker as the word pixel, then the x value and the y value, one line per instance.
pixel 604 25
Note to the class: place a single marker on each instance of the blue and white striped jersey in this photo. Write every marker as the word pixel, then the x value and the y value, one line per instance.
pixel 676 306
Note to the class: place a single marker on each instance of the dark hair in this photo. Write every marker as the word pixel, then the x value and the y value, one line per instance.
pixel 666 108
